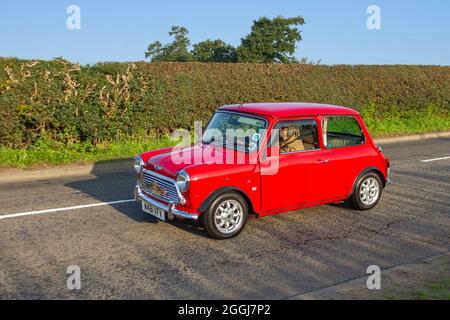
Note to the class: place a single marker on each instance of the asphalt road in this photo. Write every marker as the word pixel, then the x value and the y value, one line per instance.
pixel 124 253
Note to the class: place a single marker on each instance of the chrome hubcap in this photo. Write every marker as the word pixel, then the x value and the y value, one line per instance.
pixel 369 191
pixel 228 216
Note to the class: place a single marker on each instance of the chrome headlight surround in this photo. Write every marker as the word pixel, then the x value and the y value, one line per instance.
pixel 183 180
pixel 138 164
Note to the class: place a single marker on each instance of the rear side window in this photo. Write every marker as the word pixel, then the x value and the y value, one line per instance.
pixel 342 131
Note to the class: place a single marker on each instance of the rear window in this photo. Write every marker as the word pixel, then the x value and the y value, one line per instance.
pixel 342 131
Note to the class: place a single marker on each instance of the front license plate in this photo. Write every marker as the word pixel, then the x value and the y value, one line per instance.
pixel 154 211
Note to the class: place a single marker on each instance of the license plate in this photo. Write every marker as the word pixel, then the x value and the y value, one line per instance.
pixel 154 211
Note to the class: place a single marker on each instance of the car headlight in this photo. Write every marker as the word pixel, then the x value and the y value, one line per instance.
pixel 183 180
pixel 138 164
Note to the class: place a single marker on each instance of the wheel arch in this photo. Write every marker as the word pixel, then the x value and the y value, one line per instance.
pixel 367 170
pixel 223 190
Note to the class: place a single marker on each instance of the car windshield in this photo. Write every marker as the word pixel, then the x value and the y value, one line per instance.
pixel 234 130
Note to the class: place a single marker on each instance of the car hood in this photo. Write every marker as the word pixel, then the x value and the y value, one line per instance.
pixel 169 163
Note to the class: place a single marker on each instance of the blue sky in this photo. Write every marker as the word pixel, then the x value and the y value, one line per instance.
pixel 412 31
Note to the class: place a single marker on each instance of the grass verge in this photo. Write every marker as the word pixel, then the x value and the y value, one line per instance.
pixel 432 290
pixel 46 153
pixel 435 291
pixel 395 122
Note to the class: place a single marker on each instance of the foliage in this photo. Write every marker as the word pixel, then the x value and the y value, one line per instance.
pixel 271 40
pixel 70 104
pixel 214 51
pixel 178 50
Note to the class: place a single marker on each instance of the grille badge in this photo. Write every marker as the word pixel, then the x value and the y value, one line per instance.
pixel 156 189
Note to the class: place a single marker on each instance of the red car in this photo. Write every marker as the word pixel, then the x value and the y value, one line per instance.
pixel 263 159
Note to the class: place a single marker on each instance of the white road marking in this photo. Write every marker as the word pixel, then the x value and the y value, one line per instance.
pixel 32 213
pixel 435 159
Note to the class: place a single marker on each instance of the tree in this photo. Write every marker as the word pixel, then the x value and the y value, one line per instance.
pixel 271 40
pixel 214 51
pixel 178 50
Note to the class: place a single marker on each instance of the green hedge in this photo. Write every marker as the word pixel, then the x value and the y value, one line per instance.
pixel 61 101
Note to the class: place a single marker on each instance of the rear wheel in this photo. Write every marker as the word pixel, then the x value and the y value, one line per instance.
pixel 226 216
pixel 367 192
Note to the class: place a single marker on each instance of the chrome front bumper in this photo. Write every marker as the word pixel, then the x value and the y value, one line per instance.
pixel 170 208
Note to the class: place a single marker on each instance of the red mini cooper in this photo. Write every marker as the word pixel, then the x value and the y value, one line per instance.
pixel 263 159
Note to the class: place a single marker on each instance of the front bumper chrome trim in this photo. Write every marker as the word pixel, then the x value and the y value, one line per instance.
pixel 170 208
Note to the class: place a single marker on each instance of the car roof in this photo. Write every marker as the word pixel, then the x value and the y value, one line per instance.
pixel 286 109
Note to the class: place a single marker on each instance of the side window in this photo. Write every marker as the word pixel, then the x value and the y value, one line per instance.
pixel 342 131
pixel 295 136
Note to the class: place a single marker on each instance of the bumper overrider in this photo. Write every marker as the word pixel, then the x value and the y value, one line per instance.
pixel 169 208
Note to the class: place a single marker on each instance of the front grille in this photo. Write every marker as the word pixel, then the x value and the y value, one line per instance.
pixel 150 181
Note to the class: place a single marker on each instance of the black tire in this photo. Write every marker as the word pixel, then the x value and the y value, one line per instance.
pixel 208 217
pixel 365 199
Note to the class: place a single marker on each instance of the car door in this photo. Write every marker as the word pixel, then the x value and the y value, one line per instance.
pixel 345 150
pixel 296 179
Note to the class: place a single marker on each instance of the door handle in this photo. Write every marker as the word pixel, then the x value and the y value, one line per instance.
pixel 322 161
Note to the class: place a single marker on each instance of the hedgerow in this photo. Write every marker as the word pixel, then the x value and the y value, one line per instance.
pixel 68 103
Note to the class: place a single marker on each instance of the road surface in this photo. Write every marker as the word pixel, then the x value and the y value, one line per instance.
pixel 124 253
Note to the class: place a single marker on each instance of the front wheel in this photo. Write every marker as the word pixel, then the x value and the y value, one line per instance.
pixel 226 216
pixel 367 192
